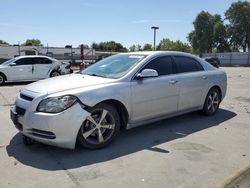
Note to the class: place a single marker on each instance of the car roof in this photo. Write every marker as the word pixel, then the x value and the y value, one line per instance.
pixel 159 53
pixel 33 56
pixel 151 54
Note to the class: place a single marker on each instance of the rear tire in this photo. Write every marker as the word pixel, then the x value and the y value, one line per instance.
pixel 212 102
pixel 100 128
pixel 2 79
pixel 54 74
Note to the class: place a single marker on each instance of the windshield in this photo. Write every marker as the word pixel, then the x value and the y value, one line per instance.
pixel 9 61
pixel 114 66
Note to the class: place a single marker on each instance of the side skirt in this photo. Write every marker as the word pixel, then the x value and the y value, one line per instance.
pixel 131 125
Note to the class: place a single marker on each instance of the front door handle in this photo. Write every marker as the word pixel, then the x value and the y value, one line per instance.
pixel 204 77
pixel 173 82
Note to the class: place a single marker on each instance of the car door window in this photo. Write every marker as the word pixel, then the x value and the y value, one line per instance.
pixel 42 61
pixel 24 61
pixel 187 64
pixel 36 61
pixel 163 65
pixel 46 61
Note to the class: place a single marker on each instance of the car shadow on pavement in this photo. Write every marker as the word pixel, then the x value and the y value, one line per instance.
pixel 146 137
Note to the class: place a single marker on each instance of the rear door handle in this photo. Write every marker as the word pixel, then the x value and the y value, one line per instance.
pixel 173 82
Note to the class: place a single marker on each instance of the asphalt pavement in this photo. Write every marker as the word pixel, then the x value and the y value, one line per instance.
pixel 189 151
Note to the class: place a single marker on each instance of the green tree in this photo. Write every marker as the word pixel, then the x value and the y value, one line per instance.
pixel 138 47
pixel 147 47
pixel 135 48
pixel 168 45
pixel 3 42
pixel 183 47
pixel 165 44
pixel 238 16
pixel 220 35
pixel 202 37
pixel 32 42
pixel 109 46
pixel 94 45
pixel 132 48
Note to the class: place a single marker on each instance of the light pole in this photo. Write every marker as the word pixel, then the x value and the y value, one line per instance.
pixel 154 28
pixel 18 45
pixel 47 48
pixel 70 46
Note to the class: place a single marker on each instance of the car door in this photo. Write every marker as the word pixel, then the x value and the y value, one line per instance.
pixel 192 81
pixel 156 96
pixel 41 67
pixel 22 70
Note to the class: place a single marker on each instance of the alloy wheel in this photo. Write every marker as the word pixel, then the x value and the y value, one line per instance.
pixel 99 127
pixel 54 74
pixel 213 101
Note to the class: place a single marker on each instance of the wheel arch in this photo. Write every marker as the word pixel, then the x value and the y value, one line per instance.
pixel 206 109
pixel 5 77
pixel 121 109
pixel 55 67
pixel 54 70
pixel 218 88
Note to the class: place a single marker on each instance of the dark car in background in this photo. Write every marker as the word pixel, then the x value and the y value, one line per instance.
pixel 213 61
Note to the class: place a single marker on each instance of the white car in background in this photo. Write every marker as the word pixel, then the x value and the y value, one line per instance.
pixel 27 68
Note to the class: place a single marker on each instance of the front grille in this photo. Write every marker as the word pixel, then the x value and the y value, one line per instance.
pixel 25 97
pixel 20 111
pixel 43 134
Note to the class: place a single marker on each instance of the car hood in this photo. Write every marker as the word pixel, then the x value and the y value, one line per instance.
pixel 3 66
pixel 64 83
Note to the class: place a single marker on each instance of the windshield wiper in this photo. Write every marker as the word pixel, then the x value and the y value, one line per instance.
pixel 97 75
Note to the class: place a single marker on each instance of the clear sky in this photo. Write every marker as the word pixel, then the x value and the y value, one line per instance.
pixel 62 22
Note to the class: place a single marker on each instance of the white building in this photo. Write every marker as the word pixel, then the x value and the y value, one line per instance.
pixel 63 54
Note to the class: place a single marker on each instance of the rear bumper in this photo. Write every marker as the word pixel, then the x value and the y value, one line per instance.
pixel 59 129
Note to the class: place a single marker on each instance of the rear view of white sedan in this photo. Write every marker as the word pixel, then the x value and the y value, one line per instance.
pixel 28 68
pixel 121 91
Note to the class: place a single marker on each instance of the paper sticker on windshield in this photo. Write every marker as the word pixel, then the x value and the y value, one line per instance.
pixel 136 56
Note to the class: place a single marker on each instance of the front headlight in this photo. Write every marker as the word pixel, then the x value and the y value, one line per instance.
pixel 56 104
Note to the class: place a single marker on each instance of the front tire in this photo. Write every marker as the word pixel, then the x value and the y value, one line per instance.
pixel 100 128
pixel 2 79
pixel 212 102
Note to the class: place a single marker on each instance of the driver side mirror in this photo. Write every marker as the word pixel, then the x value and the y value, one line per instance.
pixel 12 64
pixel 147 73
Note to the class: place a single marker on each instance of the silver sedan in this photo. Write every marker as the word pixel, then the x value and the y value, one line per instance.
pixel 121 91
